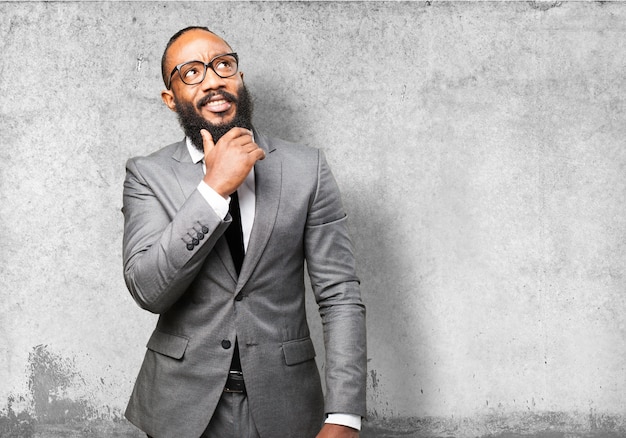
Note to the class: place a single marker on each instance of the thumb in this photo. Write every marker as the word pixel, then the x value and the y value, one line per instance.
pixel 207 141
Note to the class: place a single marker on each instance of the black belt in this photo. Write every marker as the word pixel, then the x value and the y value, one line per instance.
pixel 235 383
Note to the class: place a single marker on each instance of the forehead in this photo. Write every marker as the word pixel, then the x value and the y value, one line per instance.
pixel 196 45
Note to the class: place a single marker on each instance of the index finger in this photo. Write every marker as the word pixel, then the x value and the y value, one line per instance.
pixel 207 141
pixel 238 132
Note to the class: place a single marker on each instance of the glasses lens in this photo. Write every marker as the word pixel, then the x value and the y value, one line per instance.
pixel 225 66
pixel 192 73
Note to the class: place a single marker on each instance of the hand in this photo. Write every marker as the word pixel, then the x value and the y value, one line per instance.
pixel 337 431
pixel 229 161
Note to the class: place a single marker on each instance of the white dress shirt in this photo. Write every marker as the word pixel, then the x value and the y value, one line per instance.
pixel 247 198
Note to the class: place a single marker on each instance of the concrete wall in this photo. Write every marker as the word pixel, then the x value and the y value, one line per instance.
pixel 480 150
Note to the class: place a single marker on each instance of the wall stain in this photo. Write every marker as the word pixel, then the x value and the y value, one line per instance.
pixel 139 62
pixel 56 405
pixel 374 379
pixel 15 425
pixel 51 379
pixel 513 425
pixel 544 5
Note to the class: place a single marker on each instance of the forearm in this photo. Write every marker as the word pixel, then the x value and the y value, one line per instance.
pixel 165 244
pixel 346 355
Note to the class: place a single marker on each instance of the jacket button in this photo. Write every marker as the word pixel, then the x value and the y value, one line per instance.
pixel 205 230
pixel 239 297
pixel 195 241
pixel 226 344
pixel 200 236
pixel 190 246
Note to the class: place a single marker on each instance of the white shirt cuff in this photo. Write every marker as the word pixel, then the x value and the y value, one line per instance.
pixel 215 200
pixel 353 421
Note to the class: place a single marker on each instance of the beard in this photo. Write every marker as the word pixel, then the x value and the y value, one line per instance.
pixel 192 122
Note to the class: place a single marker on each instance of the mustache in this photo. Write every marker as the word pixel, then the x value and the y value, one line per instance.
pixel 225 94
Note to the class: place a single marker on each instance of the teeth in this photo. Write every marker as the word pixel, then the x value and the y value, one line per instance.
pixel 217 102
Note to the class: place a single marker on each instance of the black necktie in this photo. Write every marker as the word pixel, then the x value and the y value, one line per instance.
pixel 234 233
pixel 234 237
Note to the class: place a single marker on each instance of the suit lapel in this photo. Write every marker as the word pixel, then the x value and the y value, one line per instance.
pixel 188 173
pixel 268 180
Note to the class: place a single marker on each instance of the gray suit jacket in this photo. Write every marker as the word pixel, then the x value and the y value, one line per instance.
pixel 177 264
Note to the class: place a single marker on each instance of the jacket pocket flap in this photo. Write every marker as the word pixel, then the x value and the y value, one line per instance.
pixel 298 351
pixel 170 345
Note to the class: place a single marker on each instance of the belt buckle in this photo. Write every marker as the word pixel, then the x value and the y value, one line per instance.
pixel 235 383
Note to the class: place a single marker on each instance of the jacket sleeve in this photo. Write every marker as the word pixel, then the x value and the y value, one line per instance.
pixel 331 266
pixel 163 248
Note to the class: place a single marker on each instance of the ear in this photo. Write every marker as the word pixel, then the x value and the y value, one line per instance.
pixel 241 75
pixel 168 99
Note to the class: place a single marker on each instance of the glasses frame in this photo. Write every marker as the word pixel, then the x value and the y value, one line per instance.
pixel 206 67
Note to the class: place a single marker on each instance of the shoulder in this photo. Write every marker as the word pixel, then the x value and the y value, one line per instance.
pixel 289 151
pixel 159 157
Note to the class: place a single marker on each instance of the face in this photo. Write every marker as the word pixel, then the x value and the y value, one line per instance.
pixel 215 99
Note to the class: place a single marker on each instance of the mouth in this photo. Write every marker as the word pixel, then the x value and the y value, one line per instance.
pixel 216 104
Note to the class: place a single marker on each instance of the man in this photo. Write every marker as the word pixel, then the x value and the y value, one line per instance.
pixel 217 229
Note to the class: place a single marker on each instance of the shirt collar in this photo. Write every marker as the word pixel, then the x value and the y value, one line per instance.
pixel 194 153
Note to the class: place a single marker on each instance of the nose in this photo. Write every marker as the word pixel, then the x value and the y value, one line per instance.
pixel 212 81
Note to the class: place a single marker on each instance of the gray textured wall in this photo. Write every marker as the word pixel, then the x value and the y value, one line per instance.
pixel 480 151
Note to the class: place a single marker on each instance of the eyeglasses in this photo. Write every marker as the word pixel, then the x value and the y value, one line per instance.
pixel 194 72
